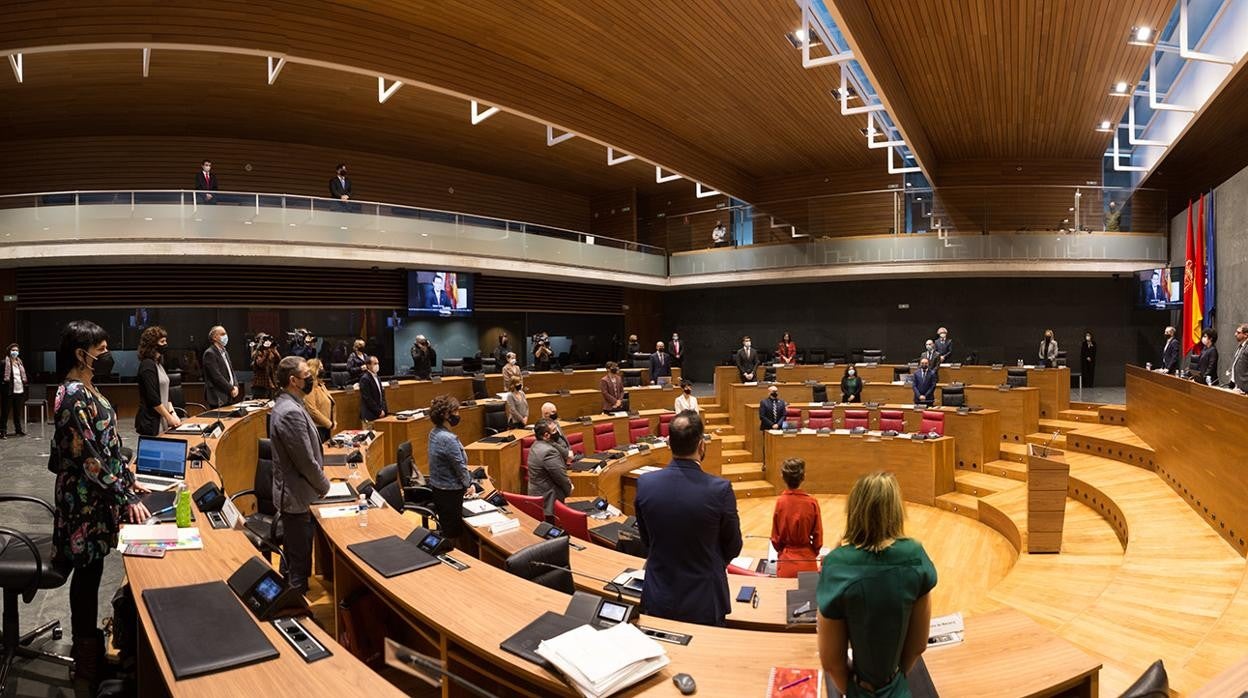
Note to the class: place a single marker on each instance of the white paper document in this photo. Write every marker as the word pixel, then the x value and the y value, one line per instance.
pixel 487 519
pixel 479 506
pixel 601 662
pixel 338 489
pixel 946 630
pixel 338 512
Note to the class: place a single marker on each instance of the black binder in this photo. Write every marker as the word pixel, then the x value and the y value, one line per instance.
pixel 583 505
pixel 803 594
pixel 608 532
pixel 548 625
pixel 204 628
pixel 392 556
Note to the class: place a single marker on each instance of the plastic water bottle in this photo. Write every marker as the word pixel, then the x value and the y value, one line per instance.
pixel 182 508
pixel 363 515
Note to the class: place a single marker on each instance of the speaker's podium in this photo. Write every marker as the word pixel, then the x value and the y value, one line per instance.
pixel 1047 478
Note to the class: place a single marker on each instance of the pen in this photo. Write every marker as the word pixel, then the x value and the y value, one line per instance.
pixel 158 513
pixel 791 684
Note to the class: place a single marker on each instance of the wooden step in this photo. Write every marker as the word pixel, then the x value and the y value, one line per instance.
pixel 1112 441
pixel 1007 469
pixel 1062 426
pixel 959 503
pixel 1045 438
pixel 1013 452
pixel 737 455
pixel 709 418
pixel 1113 414
pixel 980 484
pixel 753 488
pixel 732 440
pixel 1080 415
pixel 741 472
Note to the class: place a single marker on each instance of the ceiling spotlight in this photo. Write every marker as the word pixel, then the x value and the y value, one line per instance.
pixel 1104 126
pixel 1141 35
pixel 798 38
pixel 1071 208
pixel 1120 88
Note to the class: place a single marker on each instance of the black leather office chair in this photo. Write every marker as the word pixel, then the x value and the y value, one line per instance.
pixel 632 377
pixel 640 360
pixel 489 364
pixel 260 527
pixel 339 375
pixel 953 395
pixel 1016 377
pixel 495 417
pixel 452 367
pixel 552 552
pixel 177 396
pixel 769 374
pixel 478 388
pixel 25 569
pixel 1153 683
pixel 1061 358
pixel 393 494
pixel 837 358
pixel 872 356
pixel 817 355
pixel 819 393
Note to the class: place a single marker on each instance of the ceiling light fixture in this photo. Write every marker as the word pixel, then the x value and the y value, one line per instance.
pixel 1141 36
pixel 1105 127
pixel 798 37
pixel 1120 89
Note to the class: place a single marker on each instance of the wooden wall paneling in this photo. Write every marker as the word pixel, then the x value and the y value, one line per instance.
pixel 643 316
pixel 514 293
pixel 678 220
pixel 614 214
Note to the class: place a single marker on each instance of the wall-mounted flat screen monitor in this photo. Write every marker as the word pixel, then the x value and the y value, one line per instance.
pixel 439 293
pixel 1160 288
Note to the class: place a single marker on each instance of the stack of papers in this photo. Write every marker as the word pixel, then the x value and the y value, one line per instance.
pixel 338 512
pixel 601 662
pixel 190 428
pixel 946 630
pixel 645 469
pixel 167 536
pixel 476 507
pixel 337 489
pixel 487 519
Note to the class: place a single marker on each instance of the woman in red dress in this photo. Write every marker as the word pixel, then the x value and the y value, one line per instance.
pixel 796 527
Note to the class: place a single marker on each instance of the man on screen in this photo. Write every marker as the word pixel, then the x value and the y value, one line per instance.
pixel 1155 293
pixel 436 296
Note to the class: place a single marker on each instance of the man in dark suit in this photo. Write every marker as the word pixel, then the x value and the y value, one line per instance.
pixel 932 356
pixel 436 295
pixel 924 384
pixel 1155 293
pixel 660 364
pixel 771 410
pixel 372 394
pixel 548 470
pixel 1206 370
pixel 340 186
pixel 678 350
pixel 1170 352
pixel 1239 365
pixel 206 182
pixel 220 388
pixel 688 520
pixel 747 361
pixel 944 345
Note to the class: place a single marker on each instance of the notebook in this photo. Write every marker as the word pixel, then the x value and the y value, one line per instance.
pixel 788 682
pixel 524 643
pixel 392 556
pixel 204 628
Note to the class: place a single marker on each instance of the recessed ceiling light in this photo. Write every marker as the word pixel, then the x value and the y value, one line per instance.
pixel 1141 34
pixel 1120 88
pixel 342 227
pixel 798 37
pixel 292 225
pixel 1071 208
pixel 147 218
pixel 246 222
pixel 1104 125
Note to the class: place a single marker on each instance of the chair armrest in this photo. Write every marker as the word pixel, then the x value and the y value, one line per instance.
pixel 243 493
pixel 202 408
pixel 27 498
pixel 181 413
pixel 490 431
pixel 34 552
pixel 426 514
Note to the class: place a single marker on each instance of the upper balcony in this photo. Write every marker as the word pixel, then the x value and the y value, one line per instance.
pixel 982 231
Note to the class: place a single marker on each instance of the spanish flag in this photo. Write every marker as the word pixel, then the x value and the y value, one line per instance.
pixel 1194 278
pixel 452 288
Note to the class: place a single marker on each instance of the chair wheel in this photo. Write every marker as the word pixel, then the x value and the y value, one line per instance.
pixel 57 633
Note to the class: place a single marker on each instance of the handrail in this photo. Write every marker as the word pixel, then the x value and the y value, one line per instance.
pixel 535 227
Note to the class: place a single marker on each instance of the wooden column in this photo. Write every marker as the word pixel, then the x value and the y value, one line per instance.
pixel 1047 476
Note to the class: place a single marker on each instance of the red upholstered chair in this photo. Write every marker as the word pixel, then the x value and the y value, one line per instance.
pixel 819 419
pixel 857 418
pixel 531 506
pixel 525 444
pixel 932 421
pixel 576 441
pixel 665 423
pixel 638 428
pixel 741 571
pixel 892 420
pixel 604 437
pixel 793 416
pixel 576 523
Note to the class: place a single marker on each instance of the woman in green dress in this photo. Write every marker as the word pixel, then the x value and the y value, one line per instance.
pixel 873 595
pixel 95 490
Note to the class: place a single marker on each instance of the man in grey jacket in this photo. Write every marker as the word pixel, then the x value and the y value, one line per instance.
pixel 1239 365
pixel 298 467
pixel 548 476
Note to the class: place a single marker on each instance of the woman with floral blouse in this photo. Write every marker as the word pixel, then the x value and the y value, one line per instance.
pixel 95 490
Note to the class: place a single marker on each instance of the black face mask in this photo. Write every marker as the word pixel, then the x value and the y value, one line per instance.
pixel 688 390
pixel 160 348
pixel 453 420
pixel 307 385
pixel 553 416
pixel 102 365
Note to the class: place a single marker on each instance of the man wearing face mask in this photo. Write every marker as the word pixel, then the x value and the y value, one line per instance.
pixel 1087 360
pixel 561 442
pixel 688 520
pixel 372 394
pixel 16 386
pixel 220 388
pixel 298 467
pixel 548 472
pixel 206 183
pixel 851 386
pixel 1170 352
pixel 944 345
pixel 932 356
pixel 747 361
pixel 686 402
pixel 924 384
pixel 612 388
pixel 771 410
pixel 677 350
pixel 340 187
pixel 660 365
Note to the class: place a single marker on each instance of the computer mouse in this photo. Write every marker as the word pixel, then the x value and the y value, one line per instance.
pixel 685 683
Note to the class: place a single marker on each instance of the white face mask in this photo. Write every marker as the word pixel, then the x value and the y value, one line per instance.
pixel 1088 337
pixel 852 373
pixel 747 345
pixel 13 353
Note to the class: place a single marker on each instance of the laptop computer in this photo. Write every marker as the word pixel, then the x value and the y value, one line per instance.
pixel 160 463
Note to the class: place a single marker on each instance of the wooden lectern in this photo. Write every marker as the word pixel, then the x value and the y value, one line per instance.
pixel 1047 476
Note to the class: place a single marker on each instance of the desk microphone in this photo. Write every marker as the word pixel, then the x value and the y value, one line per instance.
pixel 611 584
pixel 435 668
pixel 1050 443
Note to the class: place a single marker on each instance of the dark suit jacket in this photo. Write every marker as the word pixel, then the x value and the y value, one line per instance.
pixel 372 397
pixel 1154 295
pixel 771 415
pixel 658 369
pixel 337 188
pixel 147 420
pixel 548 475
pixel 747 362
pixel 944 347
pixel 924 385
pixel 1207 365
pixel 1239 368
pixel 355 366
pixel 434 300
pixel 203 183
pixel 217 383
pixel 688 520
pixel 1170 355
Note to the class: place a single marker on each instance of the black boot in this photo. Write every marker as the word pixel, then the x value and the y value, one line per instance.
pixel 88 655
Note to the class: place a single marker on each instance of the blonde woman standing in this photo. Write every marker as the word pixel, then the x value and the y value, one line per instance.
pixel 319 403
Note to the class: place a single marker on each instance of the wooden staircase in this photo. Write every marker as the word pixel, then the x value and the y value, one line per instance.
pixel 740 467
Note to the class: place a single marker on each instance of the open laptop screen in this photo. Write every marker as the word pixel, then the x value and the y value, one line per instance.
pixel 161 457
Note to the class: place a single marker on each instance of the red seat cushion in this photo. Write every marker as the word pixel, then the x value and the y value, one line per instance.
pixel 933 421
pixel 892 420
pixel 665 423
pixel 604 437
pixel 638 428
pixel 576 441
pixel 793 414
pixel 819 419
pixel 857 418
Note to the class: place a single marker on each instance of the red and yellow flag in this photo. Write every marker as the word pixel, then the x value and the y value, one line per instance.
pixel 1194 279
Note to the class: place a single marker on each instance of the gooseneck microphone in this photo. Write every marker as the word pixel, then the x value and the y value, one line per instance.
pixel 433 666
pixel 611 584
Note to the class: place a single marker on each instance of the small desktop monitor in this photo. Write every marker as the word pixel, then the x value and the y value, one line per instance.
pixel 439 293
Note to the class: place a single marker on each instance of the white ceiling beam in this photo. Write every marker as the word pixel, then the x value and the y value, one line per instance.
pixel 660 178
pixel 386 92
pixel 893 169
pixel 275 68
pixel 1131 129
pixel 809 28
pixel 1184 49
pixel 478 115
pixel 15 60
pixel 612 159
pixel 1124 168
pixel 147 60
pixel 704 193
pixel 552 139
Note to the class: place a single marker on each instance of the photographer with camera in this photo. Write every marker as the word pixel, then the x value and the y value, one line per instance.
pixel 423 358
pixel 264 361
pixel 542 353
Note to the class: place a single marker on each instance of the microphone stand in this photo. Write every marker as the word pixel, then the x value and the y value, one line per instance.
pixel 427 667
pixel 611 584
